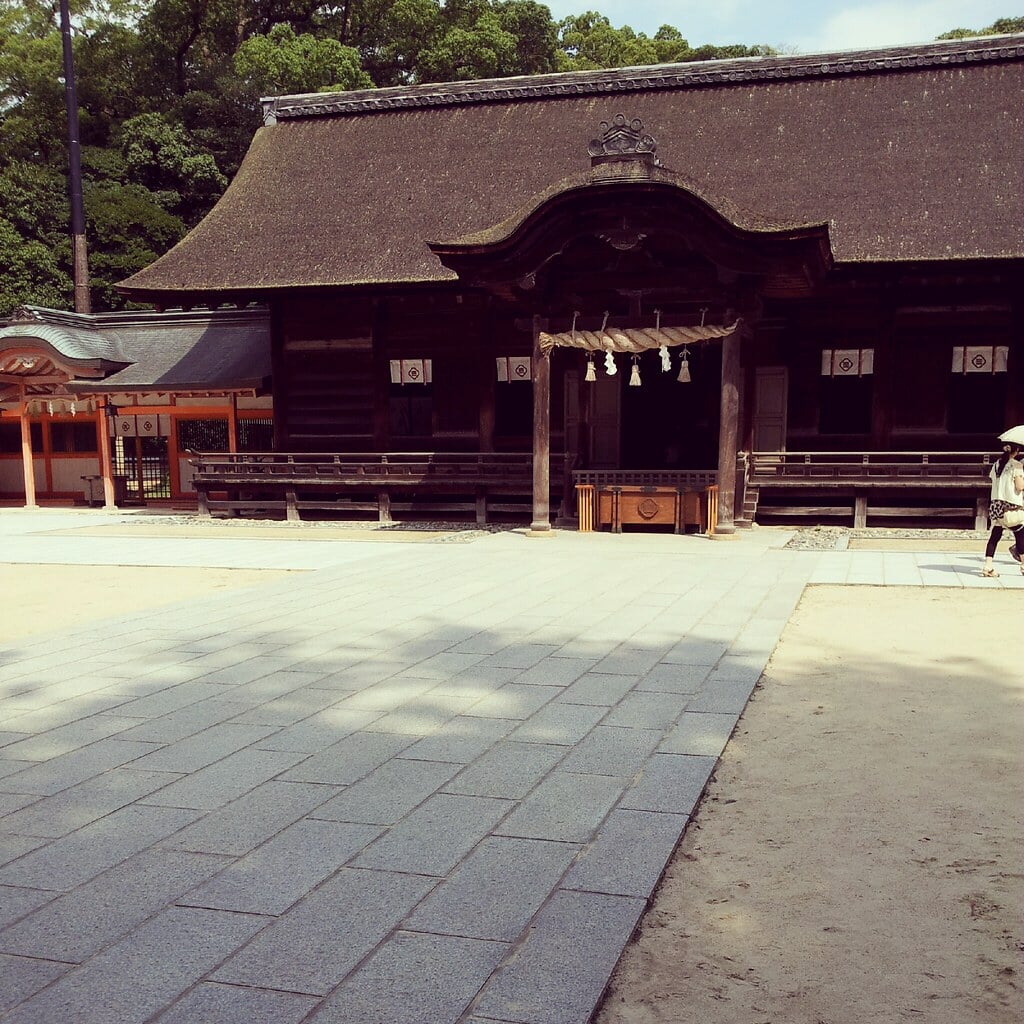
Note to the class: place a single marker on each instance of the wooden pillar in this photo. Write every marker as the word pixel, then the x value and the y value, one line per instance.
pixel 106 454
pixel 541 433
pixel 885 386
pixel 233 423
pixel 728 432
pixel 1014 411
pixel 487 376
pixel 381 377
pixel 279 380
pixel 28 464
pixel 139 469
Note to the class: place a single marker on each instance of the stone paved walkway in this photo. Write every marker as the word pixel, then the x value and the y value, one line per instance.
pixel 422 784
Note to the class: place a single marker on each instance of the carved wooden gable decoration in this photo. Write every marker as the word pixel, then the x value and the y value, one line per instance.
pixel 622 140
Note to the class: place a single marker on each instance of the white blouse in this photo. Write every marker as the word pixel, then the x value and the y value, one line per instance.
pixel 1003 488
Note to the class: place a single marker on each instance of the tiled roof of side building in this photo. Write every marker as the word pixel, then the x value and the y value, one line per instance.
pixel 172 351
pixel 908 154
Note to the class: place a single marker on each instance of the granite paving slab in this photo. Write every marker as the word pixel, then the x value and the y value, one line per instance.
pixel 629 854
pixel 560 972
pixel 228 1004
pixel 563 807
pixel 388 793
pixel 240 826
pixel 317 943
pixel 22 977
pixel 414 979
pixel 226 780
pixel 436 836
pixel 496 890
pixel 282 870
pixel 70 810
pixel 58 773
pixel 133 980
pixel 75 858
pixel 508 770
pixel 16 903
pixel 94 915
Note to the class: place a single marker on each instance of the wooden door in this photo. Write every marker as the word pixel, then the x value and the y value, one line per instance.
pixel 770 408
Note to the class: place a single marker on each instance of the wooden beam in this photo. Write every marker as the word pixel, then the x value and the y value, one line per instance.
pixel 541 522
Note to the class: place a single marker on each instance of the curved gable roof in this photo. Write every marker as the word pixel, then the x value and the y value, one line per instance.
pixel 910 154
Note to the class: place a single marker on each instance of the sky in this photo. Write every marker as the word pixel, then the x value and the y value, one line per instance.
pixel 803 26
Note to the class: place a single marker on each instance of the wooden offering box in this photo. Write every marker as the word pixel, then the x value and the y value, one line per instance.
pixel 643 506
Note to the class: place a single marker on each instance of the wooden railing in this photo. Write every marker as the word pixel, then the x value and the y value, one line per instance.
pixel 879 468
pixel 692 479
pixel 314 467
pixel 363 482
pixel 863 486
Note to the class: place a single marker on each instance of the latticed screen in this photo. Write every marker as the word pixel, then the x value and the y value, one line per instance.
pixel 203 435
pixel 143 462
pixel 256 435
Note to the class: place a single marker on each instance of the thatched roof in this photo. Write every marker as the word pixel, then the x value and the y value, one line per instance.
pixel 908 154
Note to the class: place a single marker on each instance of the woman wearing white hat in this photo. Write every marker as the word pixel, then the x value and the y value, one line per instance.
pixel 1006 504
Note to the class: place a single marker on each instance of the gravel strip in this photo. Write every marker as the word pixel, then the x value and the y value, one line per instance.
pixel 449 531
pixel 837 538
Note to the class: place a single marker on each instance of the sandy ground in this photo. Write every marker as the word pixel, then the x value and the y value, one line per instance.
pixel 858 856
pixel 51 597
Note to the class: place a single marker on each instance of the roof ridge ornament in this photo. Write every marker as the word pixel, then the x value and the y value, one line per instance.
pixel 25 315
pixel 622 140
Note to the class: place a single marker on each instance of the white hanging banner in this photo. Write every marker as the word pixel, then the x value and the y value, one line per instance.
pixel 148 426
pixel 512 368
pixel 847 362
pixel 980 358
pixel 124 426
pixel 411 371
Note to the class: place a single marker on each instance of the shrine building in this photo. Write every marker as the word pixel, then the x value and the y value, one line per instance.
pixel 745 290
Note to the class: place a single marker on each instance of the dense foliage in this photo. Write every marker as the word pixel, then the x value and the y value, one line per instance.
pixel 168 96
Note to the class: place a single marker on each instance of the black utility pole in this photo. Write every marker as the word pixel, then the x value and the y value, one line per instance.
pixel 80 254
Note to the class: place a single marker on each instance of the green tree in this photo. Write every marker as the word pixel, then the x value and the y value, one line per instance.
pixel 128 228
pixel 588 42
pixel 481 50
pixel 1000 27
pixel 283 62
pixel 161 157
pixel 33 273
